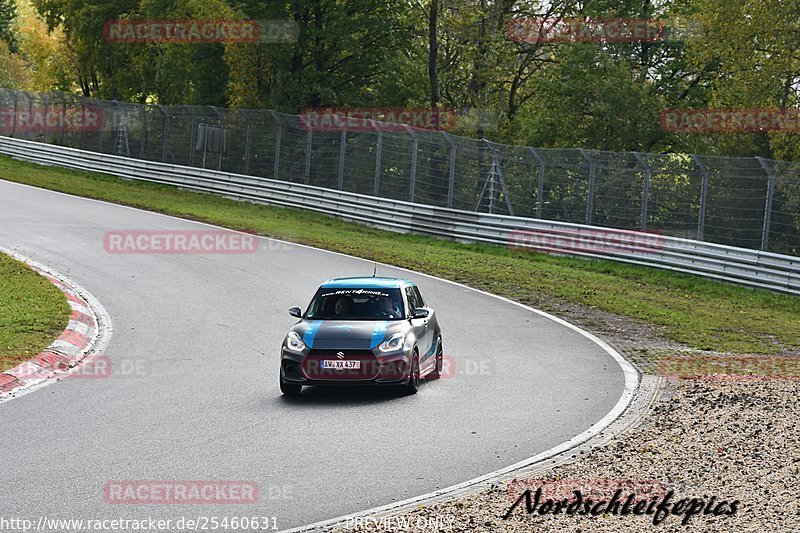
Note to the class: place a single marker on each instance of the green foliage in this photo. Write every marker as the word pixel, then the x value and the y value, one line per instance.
pixel 8 14
pixel 378 53
pixel 698 312
pixel 344 54
pixel 33 312
pixel 167 73
pixel 589 99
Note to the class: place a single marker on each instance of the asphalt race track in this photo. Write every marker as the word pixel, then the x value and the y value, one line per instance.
pixel 194 391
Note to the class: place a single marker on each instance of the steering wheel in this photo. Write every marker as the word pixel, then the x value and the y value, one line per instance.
pixel 394 312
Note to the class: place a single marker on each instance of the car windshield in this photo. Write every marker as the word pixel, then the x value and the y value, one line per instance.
pixel 356 304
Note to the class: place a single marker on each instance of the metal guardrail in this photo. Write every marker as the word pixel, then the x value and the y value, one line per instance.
pixel 748 202
pixel 737 265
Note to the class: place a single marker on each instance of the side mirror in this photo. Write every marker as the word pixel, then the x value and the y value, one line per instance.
pixel 296 312
pixel 420 312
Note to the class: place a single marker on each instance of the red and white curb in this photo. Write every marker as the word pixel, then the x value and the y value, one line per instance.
pixel 88 332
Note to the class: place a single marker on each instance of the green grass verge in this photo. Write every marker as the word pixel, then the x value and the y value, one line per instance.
pixel 698 312
pixel 33 312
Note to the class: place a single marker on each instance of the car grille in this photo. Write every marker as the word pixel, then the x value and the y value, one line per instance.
pixel 312 365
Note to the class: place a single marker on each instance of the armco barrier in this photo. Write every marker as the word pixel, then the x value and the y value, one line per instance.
pixel 736 265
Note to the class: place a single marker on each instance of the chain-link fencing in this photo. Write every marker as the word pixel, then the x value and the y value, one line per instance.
pixel 740 201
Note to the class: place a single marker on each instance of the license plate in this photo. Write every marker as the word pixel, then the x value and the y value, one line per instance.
pixel 341 365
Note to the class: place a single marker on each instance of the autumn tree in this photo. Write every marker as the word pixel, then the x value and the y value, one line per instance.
pixel 8 14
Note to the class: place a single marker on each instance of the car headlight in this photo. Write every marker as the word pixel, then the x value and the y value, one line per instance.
pixel 393 343
pixel 294 342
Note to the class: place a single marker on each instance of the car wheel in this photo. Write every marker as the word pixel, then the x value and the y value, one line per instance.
pixel 437 371
pixel 413 379
pixel 290 389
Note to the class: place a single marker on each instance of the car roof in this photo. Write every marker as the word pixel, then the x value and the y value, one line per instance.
pixel 366 282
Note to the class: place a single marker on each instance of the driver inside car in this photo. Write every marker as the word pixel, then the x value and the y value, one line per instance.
pixel 388 309
pixel 343 306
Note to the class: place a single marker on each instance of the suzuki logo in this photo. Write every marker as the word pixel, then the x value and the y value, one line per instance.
pixel 340 355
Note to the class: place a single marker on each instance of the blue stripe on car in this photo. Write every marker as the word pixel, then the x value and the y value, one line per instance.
pixel 434 345
pixel 378 333
pixel 311 332
pixel 365 283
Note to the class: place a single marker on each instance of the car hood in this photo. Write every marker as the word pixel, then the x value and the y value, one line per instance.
pixel 348 334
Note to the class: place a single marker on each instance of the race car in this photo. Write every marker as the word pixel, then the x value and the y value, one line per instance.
pixel 362 330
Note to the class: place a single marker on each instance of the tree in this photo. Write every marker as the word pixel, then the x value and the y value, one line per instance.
pixel 8 14
pixel 168 73
pixel 746 54
pixel 14 72
pixel 49 62
pixel 40 61
pixel 345 54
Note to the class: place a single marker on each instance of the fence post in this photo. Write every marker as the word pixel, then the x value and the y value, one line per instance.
pixel 309 140
pixel 80 137
pixel 193 139
pixel 342 146
pixel 499 172
pixel 278 134
pixel 248 144
pixel 46 110
pixel 496 171
pixel 492 189
pixel 121 144
pixel 165 117
pixel 592 173
pixel 223 143
pixel 451 182
pixel 99 133
pixel 540 187
pixel 701 223
pixel 143 134
pixel 645 187
pixel 16 115
pixel 63 116
pixel 30 118
pixel 489 182
pixel 414 148
pixel 768 206
pixel 378 153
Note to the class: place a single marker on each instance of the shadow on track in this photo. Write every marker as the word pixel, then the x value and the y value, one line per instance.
pixel 345 396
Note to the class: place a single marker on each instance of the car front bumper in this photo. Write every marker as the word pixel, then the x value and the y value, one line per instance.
pixel 374 368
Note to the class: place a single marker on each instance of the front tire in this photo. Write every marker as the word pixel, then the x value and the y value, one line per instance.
pixel 290 389
pixel 437 371
pixel 413 377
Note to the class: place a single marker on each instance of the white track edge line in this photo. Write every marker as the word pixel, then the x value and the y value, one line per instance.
pixel 629 389
pixel 104 327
